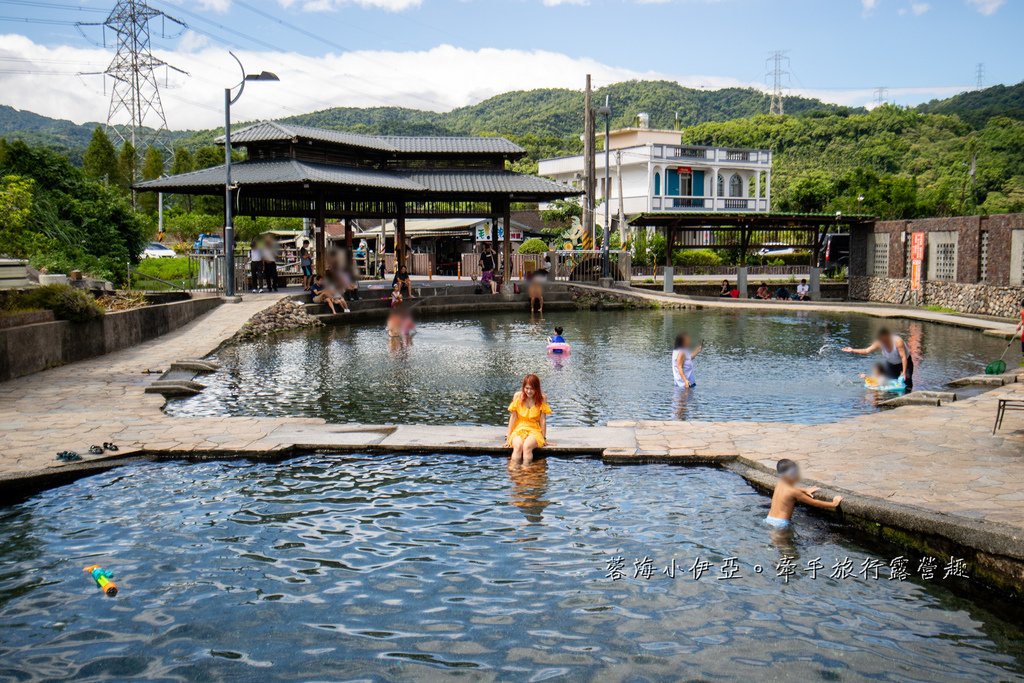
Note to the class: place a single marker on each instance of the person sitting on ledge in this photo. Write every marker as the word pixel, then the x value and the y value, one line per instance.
pixel 763 292
pixel 324 294
pixel 782 293
pixel 403 281
pixel 527 424
pixel 726 290
pixel 803 291
pixel 787 494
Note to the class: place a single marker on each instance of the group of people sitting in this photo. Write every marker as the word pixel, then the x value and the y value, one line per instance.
pixel 783 293
pixel 336 287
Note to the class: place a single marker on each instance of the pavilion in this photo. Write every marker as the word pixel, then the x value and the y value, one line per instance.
pixel 746 230
pixel 321 174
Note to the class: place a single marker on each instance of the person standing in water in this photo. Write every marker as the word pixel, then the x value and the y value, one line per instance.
pixel 682 362
pixel 527 425
pixel 895 355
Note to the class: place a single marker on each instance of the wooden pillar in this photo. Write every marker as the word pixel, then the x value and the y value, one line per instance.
pixel 401 257
pixel 320 231
pixel 494 232
pixel 744 241
pixel 670 240
pixel 507 221
pixel 817 247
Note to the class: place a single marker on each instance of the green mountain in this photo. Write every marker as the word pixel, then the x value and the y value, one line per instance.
pixel 976 107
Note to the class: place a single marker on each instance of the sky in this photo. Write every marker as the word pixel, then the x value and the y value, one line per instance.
pixel 442 54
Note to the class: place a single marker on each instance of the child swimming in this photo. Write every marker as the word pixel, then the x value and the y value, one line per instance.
pixel 787 494
pixel 557 337
pixel 876 377
pixel 682 362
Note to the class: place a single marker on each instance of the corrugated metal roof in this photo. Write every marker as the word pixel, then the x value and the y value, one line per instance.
pixel 283 171
pixel 484 182
pixel 269 131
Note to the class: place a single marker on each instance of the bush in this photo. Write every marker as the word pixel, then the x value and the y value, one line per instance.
pixel 533 245
pixel 800 258
pixel 696 258
pixel 66 302
pixel 174 269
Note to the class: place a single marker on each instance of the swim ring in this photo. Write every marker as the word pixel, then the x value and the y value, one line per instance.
pixel 560 348
pixel 892 385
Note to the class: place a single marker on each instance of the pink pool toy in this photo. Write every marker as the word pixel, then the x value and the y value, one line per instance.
pixel 559 348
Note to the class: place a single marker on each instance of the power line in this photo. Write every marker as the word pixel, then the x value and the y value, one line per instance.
pixel 52 5
pixel 776 61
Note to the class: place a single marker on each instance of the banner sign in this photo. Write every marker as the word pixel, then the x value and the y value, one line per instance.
pixel 916 259
pixel 483 233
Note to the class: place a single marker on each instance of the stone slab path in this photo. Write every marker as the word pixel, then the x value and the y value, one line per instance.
pixel 940 459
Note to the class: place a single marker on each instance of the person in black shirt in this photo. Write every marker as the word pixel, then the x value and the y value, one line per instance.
pixel 403 281
pixel 487 269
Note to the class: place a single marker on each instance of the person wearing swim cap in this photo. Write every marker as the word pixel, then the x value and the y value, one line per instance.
pixel 895 355
pixel 787 494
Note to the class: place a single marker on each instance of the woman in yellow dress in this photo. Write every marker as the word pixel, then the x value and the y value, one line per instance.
pixel 527 425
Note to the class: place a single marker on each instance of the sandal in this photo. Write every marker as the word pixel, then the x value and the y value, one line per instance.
pixel 109 446
pixel 68 456
pixel 95 450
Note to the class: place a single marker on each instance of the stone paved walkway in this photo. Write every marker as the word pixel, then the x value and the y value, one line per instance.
pixel 941 459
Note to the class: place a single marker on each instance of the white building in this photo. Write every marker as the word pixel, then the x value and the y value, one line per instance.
pixel 659 173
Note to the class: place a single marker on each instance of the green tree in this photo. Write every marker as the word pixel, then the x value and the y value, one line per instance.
pixel 128 163
pixel 16 197
pixel 183 163
pixel 152 168
pixel 100 159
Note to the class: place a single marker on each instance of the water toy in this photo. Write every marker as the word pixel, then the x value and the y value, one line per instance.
pixel 892 385
pixel 560 348
pixel 102 577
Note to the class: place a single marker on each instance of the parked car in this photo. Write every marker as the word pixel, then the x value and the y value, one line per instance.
pixel 835 252
pixel 157 250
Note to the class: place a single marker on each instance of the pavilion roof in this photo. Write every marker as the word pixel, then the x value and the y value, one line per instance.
pixel 726 219
pixel 283 172
pixel 276 131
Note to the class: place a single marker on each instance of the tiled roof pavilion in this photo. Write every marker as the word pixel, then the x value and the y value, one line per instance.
pixel 318 173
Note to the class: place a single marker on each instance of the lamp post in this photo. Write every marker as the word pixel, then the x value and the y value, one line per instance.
pixel 606 112
pixel 229 226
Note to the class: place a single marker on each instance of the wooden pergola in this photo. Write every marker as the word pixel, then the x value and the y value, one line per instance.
pixel 320 174
pixel 746 231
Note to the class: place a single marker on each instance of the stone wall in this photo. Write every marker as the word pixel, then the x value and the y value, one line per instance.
pixel 980 285
pixel 31 348
pixel 978 299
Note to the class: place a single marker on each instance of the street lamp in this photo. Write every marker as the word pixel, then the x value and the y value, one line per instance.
pixel 606 112
pixel 229 226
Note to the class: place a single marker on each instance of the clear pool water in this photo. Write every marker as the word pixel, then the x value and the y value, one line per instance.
pixel 757 366
pixel 437 567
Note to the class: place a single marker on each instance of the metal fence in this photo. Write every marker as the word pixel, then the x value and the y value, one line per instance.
pixel 206 273
pixel 659 271
pixel 570 266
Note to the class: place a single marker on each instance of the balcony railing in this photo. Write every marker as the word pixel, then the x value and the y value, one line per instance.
pixel 711 154
pixel 694 203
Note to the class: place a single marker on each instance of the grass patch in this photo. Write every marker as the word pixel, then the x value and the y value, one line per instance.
pixel 941 309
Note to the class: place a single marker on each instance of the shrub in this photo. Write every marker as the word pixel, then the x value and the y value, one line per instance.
pixel 696 257
pixel 66 302
pixel 533 245
pixel 174 269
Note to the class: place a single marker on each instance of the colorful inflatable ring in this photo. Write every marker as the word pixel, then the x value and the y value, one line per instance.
pixel 560 348
pixel 894 385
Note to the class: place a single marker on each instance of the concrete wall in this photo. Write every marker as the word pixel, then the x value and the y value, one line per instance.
pixel 31 348
pixel 982 285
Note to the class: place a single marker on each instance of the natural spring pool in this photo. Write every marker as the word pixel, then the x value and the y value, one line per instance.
pixel 441 567
pixel 763 366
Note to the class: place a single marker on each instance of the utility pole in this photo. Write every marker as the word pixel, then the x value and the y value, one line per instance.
pixel 589 165
pixel 979 73
pixel 622 209
pixel 881 95
pixel 606 112
pixel 775 62
pixel 136 113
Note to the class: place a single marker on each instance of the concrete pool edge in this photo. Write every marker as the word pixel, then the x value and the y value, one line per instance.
pixel 994 551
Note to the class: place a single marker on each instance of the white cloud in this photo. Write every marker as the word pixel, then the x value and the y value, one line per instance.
pixel 555 3
pixel 438 79
pixel 331 5
pixel 868 5
pixel 220 6
pixel 986 7
pixel 916 8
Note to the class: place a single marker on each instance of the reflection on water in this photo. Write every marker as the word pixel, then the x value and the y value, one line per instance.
pixel 424 567
pixel 756 366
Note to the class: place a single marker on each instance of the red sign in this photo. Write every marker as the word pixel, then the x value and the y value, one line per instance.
pixel 683 170
pixel 916 259
pixel 917 246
